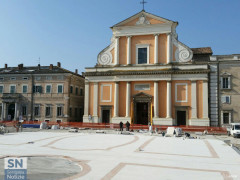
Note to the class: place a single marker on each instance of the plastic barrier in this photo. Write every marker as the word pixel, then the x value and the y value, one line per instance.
pixel 31 125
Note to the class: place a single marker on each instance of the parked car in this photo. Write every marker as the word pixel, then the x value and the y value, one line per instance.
pixel 234 130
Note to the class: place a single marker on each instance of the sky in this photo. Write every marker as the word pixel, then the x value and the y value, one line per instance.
pixel 73 32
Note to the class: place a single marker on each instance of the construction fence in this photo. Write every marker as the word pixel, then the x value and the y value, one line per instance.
pixel 212 130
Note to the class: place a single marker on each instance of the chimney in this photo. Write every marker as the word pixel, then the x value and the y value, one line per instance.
pixel 51 67
pixel 20 66
pixel 58 64
pixel 76 71
pixel 6 66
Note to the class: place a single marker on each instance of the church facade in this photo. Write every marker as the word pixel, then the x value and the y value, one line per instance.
pixel 146 75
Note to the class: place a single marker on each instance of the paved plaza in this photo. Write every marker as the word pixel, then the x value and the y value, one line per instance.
pixel 92 156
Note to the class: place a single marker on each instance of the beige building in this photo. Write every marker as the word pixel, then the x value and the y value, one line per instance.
pixel 227 83
pixel 41 93
pixel 146 75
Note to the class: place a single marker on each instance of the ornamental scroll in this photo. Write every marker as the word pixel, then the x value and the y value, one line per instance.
pixel 183 53
pixel 105 56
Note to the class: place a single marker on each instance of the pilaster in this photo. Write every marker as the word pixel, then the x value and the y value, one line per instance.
pixel 156 113
pixel 169 100
pixel 116 99
pixel 169 48
pixel 194 99
pixel 128 99
pixel 129 50
pixel 156 49
pixel 116 50
pixel 205 99
pixel 86 102
pixel 95 102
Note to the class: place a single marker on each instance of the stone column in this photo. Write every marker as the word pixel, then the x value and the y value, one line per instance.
pixel 15 113
pixel 205 99
pixel 128 99
pixel 194 99
pixel 116 50
pixel 169 48
pixel 169 100
pixel 156 114
pixel 116 99
pixel 95 102
pixel 156 49
pixel 129 50
pixel 86 100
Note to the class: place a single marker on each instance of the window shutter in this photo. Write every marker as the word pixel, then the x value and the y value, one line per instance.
pixel 40 89
pixel 229 83
pixel 223 99
pixel 221 83
pixel 34 89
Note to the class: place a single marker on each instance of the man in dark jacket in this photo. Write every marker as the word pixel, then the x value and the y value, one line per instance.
pixel 127 126
pixel 121 126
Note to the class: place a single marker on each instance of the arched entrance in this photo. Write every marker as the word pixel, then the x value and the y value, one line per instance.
pixel 11 111
pixel 142 108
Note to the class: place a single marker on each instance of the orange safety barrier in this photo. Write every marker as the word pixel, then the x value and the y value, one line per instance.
pixel 212 130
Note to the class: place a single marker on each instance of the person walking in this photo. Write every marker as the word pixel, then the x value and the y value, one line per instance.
pixel 121 126
pixel 127 126
pixel 150 128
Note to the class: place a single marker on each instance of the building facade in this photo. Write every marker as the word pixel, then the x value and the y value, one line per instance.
pixel 225 79
pixel 146 75
pixel 41 93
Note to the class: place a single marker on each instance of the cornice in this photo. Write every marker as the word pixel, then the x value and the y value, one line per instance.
pixel 115 73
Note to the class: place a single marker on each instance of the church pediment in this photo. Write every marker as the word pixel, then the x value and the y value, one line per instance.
pixel 142 97
pixel 142 18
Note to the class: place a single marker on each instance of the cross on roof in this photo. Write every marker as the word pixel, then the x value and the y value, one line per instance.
pixel 143 2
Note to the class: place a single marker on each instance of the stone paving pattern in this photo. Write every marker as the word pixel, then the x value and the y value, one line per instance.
pixel 138 156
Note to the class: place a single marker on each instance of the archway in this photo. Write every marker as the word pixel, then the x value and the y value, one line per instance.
pixel 11 111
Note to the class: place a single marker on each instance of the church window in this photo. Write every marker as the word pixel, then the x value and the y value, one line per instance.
pixel 24 88
pixel 60 88
pixel 226 117
pixel 48 88
pixel 37 110
pixel 48 111
pixel 226 82
pixel 59 110
pixel 142 54
pixel 37 89
pixel 12 88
